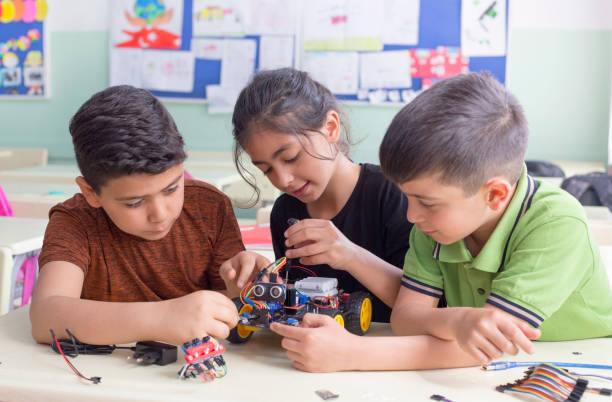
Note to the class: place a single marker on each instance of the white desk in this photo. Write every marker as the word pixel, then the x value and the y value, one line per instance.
pixel 52 177
pixel 572 168
pixel 258 371
pixel 34 199
pixel 41 174
pixel 17 236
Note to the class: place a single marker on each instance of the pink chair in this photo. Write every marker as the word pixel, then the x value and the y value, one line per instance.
pixel 5 207
pixel 29 267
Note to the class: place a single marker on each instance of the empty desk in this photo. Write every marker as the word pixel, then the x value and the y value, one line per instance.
pixel 34 199
pixel 18 236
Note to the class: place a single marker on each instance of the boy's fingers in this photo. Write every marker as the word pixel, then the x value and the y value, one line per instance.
pixel 478 354
pixel 315 320
pixel 503 343
pixel 488 348
pixel 217 329
pixel 530 332
pixel 288 331
pixel 290 345
pixel 514 332
pixel 261 262
pixel 244 275
pixel 227 271
pixel 226 313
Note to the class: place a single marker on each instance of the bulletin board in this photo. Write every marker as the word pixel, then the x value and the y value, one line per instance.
pixel 208 32
pixel 381 52
pixel 24 59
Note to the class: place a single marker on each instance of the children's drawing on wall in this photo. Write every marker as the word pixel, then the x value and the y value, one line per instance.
pixel 219 18
pixel 22 70
pixel 167 70
pixel 343 25
pixel 147 24
pixel 483 27
pixel 33 73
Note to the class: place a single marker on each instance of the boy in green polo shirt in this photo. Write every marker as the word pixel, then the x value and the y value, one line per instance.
pixel 513 257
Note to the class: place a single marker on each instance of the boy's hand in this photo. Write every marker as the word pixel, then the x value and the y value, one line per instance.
pixel 319 345
pixel 487 333
pixel 318 241
pixel 196 315
pixel 237 271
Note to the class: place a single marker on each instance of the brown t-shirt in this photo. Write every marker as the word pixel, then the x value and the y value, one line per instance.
pixel 120 267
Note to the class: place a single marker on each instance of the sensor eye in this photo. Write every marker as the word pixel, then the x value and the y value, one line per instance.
pixel 259 290
pixel 276 291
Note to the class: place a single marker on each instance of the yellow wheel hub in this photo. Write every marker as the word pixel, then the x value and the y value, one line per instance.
pixel 365 317
pixel 338 318
pixel 244 330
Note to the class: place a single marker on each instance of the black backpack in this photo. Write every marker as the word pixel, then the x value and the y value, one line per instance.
pixel 590 189
pixel 543 169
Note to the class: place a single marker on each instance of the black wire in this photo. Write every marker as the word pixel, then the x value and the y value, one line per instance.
pixel 73 347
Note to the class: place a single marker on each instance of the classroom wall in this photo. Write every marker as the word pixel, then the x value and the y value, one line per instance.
pixel 559 67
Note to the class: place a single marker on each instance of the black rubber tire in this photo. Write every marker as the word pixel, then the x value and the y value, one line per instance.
pixel 352 312
pixel 234 336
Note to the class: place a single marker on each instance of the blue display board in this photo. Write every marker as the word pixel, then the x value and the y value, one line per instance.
pixel 439 28
pixel 440 25
pixel 22 59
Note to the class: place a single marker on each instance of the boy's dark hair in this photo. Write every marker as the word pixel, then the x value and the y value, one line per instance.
pixel 124 130
pixel 285 100
pixel 467 128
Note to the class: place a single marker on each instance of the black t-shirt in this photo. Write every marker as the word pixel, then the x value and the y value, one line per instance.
pixel 374 218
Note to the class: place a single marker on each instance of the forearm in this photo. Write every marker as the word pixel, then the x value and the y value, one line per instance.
pixel 421 320
pixel 95 322
pixel 380 277
pixel 420 352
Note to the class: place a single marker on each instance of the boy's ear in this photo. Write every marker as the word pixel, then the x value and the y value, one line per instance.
pixel 88 192
pixel 498 191
pixel 332 126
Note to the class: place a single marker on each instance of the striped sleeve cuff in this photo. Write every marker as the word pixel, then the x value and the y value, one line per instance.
pixel 516 310
pixel 421 287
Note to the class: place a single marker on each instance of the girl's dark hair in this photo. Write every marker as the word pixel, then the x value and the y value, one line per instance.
pixel 124 130
pixel 285 100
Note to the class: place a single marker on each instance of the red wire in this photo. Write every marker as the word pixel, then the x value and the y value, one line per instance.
pixel 310 271
pixel 67 361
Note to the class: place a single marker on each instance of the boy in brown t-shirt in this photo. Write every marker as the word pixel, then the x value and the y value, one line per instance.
pixel 133 256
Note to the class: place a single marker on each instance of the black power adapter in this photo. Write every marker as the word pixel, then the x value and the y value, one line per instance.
pixel 152 352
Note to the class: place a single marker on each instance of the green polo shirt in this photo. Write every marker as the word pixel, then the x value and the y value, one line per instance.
pixel 540 264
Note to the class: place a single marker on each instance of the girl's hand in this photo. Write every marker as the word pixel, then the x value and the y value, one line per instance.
pixel 318 241
pixel 237 271
pixel 319 345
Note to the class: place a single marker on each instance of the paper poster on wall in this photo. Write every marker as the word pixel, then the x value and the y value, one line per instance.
pixel 207 48
pixel 238 62
pixel 146 24
pixel 441 62
pixel 221 99
pixel 166 70
pixel 219 18
pixel 271 17
pixel 338 71
pixel 126 67
pixel 385 69
pixel 401 25
pixel 23 58
pixel 275 52
pixel 483 28
pixel 343 25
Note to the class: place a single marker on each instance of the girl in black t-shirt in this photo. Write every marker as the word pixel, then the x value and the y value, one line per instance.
pixel 352 220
